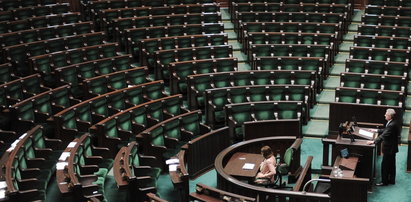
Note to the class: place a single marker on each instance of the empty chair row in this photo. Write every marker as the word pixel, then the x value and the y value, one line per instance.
pixel 403 3
pixel 218 98
pixel 377 30
pixel 285 7
pixel 238 114
pixel 136 173
pixel 15 4
pixel 388 10
pixel 163 58
pixel 77 119
pixel 75 74
pixel 31 35
pixel 82 169
pixel 291 38
pixel 304 27
pixel 294 50
pixel 41 21
pixel 119 25
pixel 244 17
pixel 290 63
pixel 29 165
pixel 99 85
pixel 148 47
pixel 381 54
pixel 18 54
pixel 382 42
pixel 370 96
pixel 164 140
pixel 33 11
pixel 132 37
pixel 17 90
pixel 49 62
pixel 377 67
pixel 121 128
pixel 398 21
pixel 198 84
pixel 298 1
pixel 179 71
pixel 37 109
pixel 107 15
pixel 374 81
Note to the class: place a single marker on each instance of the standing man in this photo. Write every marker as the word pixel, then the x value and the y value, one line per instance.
pixel 389 136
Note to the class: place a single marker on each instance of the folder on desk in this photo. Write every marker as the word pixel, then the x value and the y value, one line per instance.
pixel 349 163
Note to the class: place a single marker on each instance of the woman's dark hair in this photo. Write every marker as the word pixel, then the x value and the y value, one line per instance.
pixel 266 152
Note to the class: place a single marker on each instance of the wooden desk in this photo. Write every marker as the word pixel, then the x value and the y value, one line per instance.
pixel 347 165
pixel 235 165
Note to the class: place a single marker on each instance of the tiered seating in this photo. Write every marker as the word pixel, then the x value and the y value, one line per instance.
pixel 304 27
pixel 238 114
pixel 77 119
pixel 150 46
pixel 135 172
pixel 387 10
pixel 33 11
pixel 383 30
pixel 218 98
pixel 18 54
pixel 374 81
pixel 114 81
pixel 132 37
pixel 165 57
pixel 119 25
pixel 399 21
pixel 381 54
pixel 382 42
pixel 6 73
pixel 121 128
pixel 106 16
pixel 29 164
pixel 82 170
pixel 198 84
pixel 179 71
pixel 402 3
pixel 14 4
pixel 76 73
pixel 377 67
pixel 370 96
pixel 41 21
pixel 164 139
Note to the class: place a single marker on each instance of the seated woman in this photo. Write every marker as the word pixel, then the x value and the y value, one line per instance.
pixel 267 167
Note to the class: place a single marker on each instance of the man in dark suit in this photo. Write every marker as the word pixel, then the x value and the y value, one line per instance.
pixel 389 136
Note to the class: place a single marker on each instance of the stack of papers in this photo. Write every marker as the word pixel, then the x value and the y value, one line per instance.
pixel 248 166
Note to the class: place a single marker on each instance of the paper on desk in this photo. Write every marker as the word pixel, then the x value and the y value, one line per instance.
pixel 172 161
pixel 3 184
pixel 71 144
pixel 366 133
pixel 2 193
pixel 61 165
pixel 172 167
pixel 248 166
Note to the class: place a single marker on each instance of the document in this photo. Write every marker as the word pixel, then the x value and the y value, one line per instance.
pixel 172 161
pixel 248 166
pixel 367 134
pixel 61 165
pixel 172 167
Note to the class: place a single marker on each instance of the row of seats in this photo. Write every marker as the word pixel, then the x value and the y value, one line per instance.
pixel 377 67
pixel 77 119
pixel 383 30
pixel 398 3
pixel 374 81
pixel 19 54
pixel 133 36
pixel 199 83
pixel 370 96
pixel 119 25
pixel 148 47
pixel 104 17
pixel 82 169
pixel 218 98
pixel 121 128
pixel 382 42
pixel 33 11
pixel 40 21
pixel 388 10
pixel 286 7
pixel 382 54
pixel 15 4
pixel 399 21
pixel 29 165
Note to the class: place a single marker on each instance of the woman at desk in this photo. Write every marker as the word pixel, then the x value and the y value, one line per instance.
pixel 267 167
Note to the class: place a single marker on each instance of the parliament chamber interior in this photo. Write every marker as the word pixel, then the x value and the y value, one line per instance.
pixel 172 100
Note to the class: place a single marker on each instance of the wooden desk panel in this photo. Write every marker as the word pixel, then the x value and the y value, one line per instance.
pixel 235 165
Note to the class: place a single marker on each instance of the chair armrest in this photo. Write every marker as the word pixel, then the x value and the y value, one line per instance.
pixel 93 160
pixel 30 173
pixel 141 171
pixel 54 144
pixel 88 169
pixel 43 152
pixel 101 151
pixel 28 184
pixel 35 162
